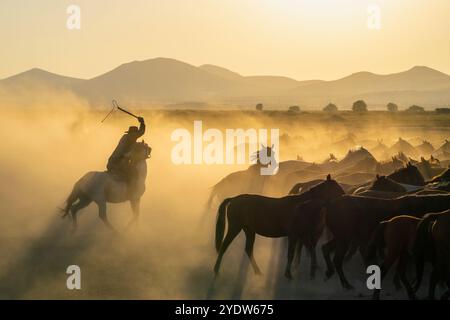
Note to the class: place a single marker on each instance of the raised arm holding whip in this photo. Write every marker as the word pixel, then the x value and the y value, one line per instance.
pixel 118 162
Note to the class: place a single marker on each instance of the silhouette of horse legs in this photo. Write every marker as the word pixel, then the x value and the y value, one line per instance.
pixel 446 294
pixel 327 248
pixel 351 252
pixel 341 250
pixel 389 260
pixel 249 242
pixel 313 268
pixel 232 232
pixel 401 272
pixel 102 214
pixel 82 203
pixel 135 204
pixel 292 242
pixel 433 283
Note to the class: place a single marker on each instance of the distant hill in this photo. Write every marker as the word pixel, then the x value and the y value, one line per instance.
pixel 429 86
pixel 163 81
pixel 39 78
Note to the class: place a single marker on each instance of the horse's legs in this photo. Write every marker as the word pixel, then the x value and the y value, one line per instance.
pixel 397 281
pixel 433 283
pixel 327 248
pixel 363 253
pixel 353 248
pixel 102 214
pixel 341 250
pixel 389 260
pixel 292 241
pixel 135 204
pixel 313 268
pixel 82 203
pixel 249 242
pixel 446 294
pixel 232 232
pixel 401 272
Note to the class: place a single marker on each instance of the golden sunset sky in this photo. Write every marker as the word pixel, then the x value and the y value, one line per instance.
pixel 303 39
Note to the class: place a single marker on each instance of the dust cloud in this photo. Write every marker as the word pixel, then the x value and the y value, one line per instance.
pixel 170 253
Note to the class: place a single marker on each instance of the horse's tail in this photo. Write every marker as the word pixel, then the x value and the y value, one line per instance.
pixel 220 224
pixel 73 196
pixel 377 242
pixel 422 245
pixel 211 198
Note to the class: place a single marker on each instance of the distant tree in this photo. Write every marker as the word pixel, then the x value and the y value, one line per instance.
pixel 259 107
pixel 392 107
pixel 442 110
pixel 331 107
pixel 415 108
pixel 359 106
pixel 294 109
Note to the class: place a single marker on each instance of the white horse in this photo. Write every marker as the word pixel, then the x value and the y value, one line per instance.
pixel 103 187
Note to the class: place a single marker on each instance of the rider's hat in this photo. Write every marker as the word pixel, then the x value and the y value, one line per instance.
pixel 132 129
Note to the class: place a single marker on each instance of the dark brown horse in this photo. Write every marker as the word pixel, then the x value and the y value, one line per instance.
pixel 433 244
pixel 352 220
pixel 408 175
pixel 382 187
pixel 396 238
pixel 305 230
pixel 269 217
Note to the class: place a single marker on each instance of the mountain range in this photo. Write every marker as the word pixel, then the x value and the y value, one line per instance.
pixel 163 82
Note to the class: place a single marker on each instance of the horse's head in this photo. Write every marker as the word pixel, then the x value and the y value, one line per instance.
pixel 327 190
pixel 266 153
pixel 383 183
pixel 434 161
pixel 140 151
pixel 402 157
pixel 409 175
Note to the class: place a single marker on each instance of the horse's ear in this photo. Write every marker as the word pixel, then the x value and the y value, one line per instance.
pixel 378 176
pixel 409 163
pixel 329 177
pixel 143 141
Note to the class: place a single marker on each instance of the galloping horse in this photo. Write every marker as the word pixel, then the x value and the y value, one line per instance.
pixel 244 181
pixel 396 236
pixel 269 217
pixel 433 244
pixel 352 219
pixel 103 187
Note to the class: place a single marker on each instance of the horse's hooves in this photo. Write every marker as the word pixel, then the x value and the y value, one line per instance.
pixel 288 275
pixel 328 274
pixel 348 287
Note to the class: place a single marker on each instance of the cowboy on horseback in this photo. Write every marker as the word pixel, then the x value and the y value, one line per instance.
pixel 119 163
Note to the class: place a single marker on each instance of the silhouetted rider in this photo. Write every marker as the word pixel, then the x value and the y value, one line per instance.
pixel 118 162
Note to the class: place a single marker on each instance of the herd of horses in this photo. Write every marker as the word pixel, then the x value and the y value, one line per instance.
pixel 400 217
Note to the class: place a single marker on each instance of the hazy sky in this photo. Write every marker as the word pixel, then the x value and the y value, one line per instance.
pixel 304 39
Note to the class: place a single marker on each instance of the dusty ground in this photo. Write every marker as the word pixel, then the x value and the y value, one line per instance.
pixel 169 255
